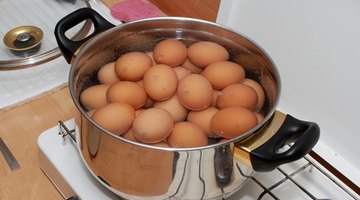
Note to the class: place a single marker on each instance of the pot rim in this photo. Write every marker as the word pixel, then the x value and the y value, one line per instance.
pixel 88 44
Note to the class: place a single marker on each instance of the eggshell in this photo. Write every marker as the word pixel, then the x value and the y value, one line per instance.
pixel 161 144
pixel 149 103
pixel 233 121
pixel 193 68
pixel 132 66
pixel 127 92
pixel 203 53
pixel 216 95
pixel 141 83
pixel 138 111
pixel 90 112
pixel 106 74
pixel 203 120
pixel 171 52
pixel 94 97
pixel 115 117
pixel 195 92
pixel 181 72
pixel 237 95
pixel 187 135
pixel 224 73
pixel 160 82
pixel 174 107
pixel 150 54
pixel 259 117
pixel 129 135
pixel 152 125
pixel 259 91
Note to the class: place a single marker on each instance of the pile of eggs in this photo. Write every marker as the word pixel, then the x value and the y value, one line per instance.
pixel 175 96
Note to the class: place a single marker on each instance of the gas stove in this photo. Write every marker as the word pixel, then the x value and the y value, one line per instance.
pixel 303 179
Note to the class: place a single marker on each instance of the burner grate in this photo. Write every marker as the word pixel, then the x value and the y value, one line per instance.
pixel 307 167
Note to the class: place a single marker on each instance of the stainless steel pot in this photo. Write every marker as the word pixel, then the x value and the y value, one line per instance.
pixel 139 171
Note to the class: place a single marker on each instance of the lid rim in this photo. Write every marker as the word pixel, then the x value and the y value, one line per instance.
pixel 37 59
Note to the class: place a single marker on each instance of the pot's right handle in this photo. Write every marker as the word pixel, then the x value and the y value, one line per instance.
pixel 69 47
pixel 261 150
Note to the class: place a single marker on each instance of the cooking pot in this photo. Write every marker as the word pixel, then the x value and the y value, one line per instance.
pixel 139 171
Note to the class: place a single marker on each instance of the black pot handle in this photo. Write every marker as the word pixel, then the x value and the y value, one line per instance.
pixel 261 150
pixel 69 47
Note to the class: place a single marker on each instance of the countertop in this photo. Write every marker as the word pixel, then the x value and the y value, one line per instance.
pixel 21 124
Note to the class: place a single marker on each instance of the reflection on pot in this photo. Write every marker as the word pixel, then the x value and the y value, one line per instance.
pixel 135 172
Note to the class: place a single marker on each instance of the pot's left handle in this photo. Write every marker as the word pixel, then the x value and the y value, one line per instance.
pixel 69 47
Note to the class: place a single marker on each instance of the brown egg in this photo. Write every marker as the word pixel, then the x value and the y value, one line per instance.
pixel 127 92
pixel 224 73
pixel 259 117
pixel 195 92
pixel 115 117
pixel 129 135
pixel 259 91
pixel 152 125
pixel 94 97
pixel 203 120
pixel 132 66
pixel 181 72
pixel 232 122
pixel 237 95
pixel 174 107
pixel 160 82
pixel 216 95
pixel 193 68
pixel 141 83
pixel 187 135
pixel 106 74
pixel 138 111
pixel 204 53
pixel 161 144
pixel 150 54
pixel 90 112
pixel 149 102
pixel 171 52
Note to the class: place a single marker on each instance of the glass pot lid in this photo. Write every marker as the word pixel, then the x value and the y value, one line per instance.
pixel 27 30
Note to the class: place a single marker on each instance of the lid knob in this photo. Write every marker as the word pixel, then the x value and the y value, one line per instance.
pixel 23 37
